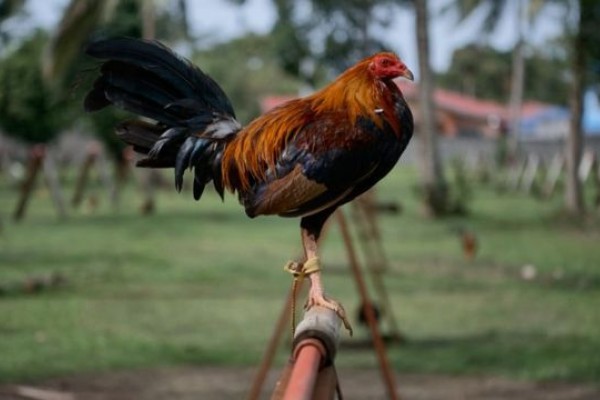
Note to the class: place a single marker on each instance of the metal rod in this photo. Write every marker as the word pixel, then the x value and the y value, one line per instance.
pixel 302 381
pixel 283 381
pixel 384 365
pixel 315 346
pixel 271 349
pixel 376 268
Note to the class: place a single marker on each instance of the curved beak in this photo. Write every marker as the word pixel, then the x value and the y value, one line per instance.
pixel 408 75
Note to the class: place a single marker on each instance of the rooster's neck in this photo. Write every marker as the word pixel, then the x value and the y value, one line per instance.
pixel 356 93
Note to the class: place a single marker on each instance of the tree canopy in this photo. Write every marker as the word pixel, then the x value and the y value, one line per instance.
pixel 247 70
pixel 28 109
pixel 333 33
pixel 485 72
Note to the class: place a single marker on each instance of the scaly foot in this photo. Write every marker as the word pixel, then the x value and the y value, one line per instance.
pixel 318 299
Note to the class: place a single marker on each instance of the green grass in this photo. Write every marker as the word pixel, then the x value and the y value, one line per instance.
pixel 199 283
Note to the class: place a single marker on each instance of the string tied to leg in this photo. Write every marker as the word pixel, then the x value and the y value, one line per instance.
pixel 300 271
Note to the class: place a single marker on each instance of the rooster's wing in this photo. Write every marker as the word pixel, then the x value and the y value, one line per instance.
pixel 325 163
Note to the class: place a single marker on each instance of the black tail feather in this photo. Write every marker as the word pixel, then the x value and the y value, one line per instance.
pixel 194 118
pixel 174 71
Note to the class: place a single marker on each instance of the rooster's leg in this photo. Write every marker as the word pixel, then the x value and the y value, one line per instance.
pixel 316 293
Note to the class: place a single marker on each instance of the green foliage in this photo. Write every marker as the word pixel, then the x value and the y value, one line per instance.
pixel 171 22
pixel 78 20
pixel 84 21
pixel 461 191
pixel 475 67
pixel 336 35
pixel 247 71
pixel 8 8
pixel 28 109
pixel 126 21
pixel 493 13
pixel 546 78
pixel 472 70
pixel 289 42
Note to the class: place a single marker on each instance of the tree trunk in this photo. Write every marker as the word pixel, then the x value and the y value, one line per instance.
pixel 148 19
pixel 516 85
pixel 433 183
pixel 182 6
pixel 148 175
pixel 574 190
pixel 516 99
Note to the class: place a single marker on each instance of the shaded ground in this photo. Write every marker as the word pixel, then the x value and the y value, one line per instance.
pixel 209 383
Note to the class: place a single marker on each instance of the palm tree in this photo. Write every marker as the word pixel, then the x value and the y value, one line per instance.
pixel 434 184
pixel 78 21
pixel 82 17
pixel 117 17
pixel 584 39
pixel 30 112
pixel 526 12
pixel 8 8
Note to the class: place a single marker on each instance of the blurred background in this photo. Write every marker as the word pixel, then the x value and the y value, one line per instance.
pixel 486 233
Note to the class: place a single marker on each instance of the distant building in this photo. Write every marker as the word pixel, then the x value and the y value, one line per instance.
pixel 551 122
pixel 591 115
pixel 459 114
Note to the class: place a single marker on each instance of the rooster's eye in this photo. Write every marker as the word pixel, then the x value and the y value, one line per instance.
pixel 385 62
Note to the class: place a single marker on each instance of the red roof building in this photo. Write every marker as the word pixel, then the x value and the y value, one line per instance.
pixel 460 114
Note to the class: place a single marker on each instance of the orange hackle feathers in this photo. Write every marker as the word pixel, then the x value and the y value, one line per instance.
pixel 355 93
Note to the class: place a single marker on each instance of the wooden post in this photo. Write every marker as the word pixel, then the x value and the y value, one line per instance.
pixel 554 171
pixel 530 172
pixel 53 183
pixel 585 167
pixel 84 172
pixel 36 157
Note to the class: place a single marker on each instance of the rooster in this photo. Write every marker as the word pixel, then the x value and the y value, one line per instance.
pixel 302 159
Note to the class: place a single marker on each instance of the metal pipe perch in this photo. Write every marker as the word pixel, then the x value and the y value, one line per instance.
pixel 309 375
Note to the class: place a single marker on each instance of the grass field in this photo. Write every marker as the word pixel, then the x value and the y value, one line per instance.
pixel 199 283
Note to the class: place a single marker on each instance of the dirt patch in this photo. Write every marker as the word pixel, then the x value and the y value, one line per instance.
pixel 209 383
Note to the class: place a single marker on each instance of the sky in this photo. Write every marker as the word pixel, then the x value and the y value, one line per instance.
pixel 220 20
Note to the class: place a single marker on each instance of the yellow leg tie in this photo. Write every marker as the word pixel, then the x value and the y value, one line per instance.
pixel 300 271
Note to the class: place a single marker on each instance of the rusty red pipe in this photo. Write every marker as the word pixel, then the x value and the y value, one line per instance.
pixel 308 354
pixel 315 346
